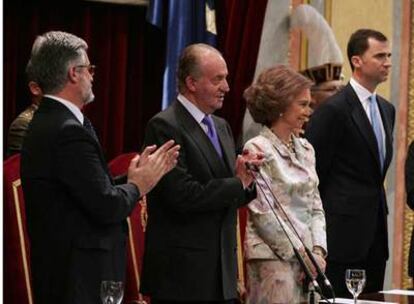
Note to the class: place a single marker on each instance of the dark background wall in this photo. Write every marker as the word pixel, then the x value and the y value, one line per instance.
pixel 129 54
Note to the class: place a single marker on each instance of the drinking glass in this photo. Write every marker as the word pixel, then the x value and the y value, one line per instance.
pixel 112 292
pixel 355 282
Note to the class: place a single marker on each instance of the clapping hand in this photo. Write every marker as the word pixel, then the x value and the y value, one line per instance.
pixel 245 160
pixel 147 169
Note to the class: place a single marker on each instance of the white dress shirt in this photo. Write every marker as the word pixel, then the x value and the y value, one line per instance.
pixel 194 111
pixel 74 109
pixel 363 96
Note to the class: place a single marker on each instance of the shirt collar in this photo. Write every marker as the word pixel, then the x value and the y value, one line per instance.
pixel 362 93
pixel 74 109
pixel 192 108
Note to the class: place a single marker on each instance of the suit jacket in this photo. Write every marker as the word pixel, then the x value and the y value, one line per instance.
pixel 294 183
pixel 18 129
pixel 409 186
pixel 190 250
pixel 75 214
pixel 351 180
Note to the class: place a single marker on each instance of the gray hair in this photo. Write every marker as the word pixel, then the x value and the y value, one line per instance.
pixel 51 56
pixel 189 62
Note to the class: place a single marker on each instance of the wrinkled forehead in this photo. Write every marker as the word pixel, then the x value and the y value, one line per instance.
pixel 213 63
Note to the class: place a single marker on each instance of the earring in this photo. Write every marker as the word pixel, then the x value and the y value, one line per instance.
pixel 281 114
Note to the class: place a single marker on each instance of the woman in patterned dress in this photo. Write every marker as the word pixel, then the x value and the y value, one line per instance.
pixel 280 101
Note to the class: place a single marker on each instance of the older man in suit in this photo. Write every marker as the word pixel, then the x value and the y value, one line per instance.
pixel 76 216
pixel 190 251
pixel 352 136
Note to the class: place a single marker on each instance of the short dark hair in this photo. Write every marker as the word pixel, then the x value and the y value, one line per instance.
pixel 273 92
pixel 358 42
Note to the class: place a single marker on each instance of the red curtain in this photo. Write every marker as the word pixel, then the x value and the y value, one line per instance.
pixel 128 52
pixel 239 30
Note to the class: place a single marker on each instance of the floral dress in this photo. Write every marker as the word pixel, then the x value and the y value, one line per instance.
pixel 273 271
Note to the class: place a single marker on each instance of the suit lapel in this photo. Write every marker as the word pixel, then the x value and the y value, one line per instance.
pixel 197 134
pixel 67 114
pixel 226 144
pixel 362 123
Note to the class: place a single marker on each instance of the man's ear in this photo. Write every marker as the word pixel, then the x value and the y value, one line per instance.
pixel 190 83
pixel 34 88
pixel 73 75
pixel 356 61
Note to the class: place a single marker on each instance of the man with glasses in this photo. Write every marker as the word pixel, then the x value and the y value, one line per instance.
pixel 76 216
pixel 352 136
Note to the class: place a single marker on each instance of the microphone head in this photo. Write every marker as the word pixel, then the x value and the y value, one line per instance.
pixel 252 167
pixel 316 285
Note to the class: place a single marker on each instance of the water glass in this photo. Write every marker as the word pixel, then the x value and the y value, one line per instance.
pixel 355 282
pixel 112 292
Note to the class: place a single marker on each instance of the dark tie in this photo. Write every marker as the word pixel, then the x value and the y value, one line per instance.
pixel 212 134
pixel 88 126
pixel 376 126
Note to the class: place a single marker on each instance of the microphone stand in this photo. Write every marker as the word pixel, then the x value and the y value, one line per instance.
pixel 314 284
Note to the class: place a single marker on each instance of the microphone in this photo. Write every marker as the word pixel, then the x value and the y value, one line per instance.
pixel 319 270
pixel 251 167
pixel 306 270
pixel 305 267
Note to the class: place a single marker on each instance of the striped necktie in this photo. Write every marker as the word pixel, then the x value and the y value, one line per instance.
pixel 377 128
pixel 212 134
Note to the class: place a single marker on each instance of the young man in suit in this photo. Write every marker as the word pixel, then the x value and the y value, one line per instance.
pixel 76 216
pixel 190 251
pixel 352 136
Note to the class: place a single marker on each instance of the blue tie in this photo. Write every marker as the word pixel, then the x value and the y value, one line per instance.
pixel 376 126
pixel 212 134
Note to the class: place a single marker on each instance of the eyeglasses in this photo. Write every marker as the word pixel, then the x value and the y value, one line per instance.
pixel 90 67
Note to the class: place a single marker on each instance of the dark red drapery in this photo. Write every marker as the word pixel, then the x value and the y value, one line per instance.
pixel 127 51
pixel 240 27
pixel 129 54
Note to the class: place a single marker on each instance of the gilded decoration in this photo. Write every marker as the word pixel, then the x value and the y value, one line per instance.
pixel 408 213
pixel 16 199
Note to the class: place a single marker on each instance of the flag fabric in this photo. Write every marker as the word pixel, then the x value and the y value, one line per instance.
pixel 185 22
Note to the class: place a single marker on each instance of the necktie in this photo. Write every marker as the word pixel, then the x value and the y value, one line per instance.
pixel 212 134
pixel 376 126
pixel 88 126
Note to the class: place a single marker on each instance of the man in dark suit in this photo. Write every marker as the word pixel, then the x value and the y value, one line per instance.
pixel 75 214
pixel 190 250
pixel 352 136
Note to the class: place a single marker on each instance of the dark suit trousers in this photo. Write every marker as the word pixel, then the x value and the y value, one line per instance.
pixel 374 266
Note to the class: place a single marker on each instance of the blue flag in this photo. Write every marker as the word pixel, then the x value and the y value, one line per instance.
pixel 188 21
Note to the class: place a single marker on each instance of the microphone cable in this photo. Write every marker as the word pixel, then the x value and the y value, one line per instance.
pixel 254 169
